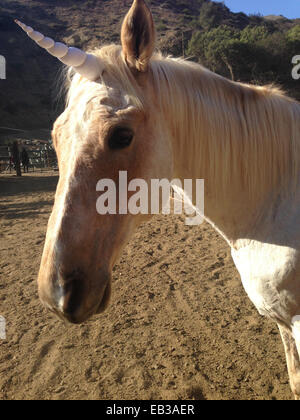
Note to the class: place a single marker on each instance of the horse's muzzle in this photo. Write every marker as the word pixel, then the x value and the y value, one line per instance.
pixel 75 298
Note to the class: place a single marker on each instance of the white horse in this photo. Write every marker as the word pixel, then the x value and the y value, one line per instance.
pixel 154 117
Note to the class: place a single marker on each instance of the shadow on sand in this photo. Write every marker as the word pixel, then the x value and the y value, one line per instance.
pixel 13 189
pixel 12 185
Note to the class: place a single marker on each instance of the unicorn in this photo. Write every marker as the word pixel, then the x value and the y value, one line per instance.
pixel 131 109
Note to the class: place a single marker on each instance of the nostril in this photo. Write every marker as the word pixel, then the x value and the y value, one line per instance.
pixel 72 294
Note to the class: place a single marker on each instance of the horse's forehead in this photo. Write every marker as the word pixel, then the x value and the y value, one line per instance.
pixel 111 98
pixel 101 99
pixel 92 103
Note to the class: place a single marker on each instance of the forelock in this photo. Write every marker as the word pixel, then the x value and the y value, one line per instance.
pixel 115 90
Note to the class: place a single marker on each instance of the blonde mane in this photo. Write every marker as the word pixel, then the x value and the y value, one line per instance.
pixel 237 133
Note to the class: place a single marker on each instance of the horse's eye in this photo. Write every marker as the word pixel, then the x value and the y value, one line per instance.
pixel 120 138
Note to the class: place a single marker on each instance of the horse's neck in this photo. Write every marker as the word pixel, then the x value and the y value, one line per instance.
pixel 229 208
pixel 238 219
pixel 231 213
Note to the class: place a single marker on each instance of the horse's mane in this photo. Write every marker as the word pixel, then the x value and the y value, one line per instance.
pixel 236 133
pixel 239 133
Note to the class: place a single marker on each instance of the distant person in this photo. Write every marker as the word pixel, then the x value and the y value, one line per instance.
pixel 25 160
pixel 11 163
pixel 16 158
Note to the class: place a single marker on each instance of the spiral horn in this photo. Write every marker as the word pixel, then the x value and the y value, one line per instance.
pixel 88 65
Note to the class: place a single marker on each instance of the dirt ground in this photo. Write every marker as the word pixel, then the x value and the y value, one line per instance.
pixel 179 326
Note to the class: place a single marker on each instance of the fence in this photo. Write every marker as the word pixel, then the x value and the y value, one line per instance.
pixel 41 156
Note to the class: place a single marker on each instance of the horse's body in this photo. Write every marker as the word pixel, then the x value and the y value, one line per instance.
pixel 186 122
pixel 269 265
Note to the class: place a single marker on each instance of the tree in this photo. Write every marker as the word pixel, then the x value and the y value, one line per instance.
pixel 254 54
pixel 208 17
pixel 217 49
pixel 253 34
pixel 293 35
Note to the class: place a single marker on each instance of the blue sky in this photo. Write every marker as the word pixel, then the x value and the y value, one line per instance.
pixel 288 8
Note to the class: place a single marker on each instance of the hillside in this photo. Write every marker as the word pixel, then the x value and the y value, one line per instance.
pixel 28 97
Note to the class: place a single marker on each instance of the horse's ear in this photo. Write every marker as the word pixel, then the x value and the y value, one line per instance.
pixel 138 36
